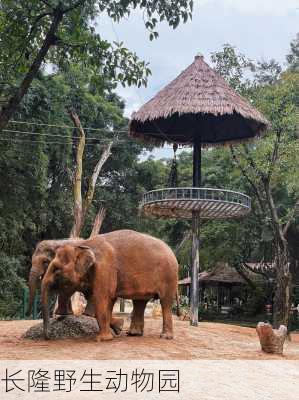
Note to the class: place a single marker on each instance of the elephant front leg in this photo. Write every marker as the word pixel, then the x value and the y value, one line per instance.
pixel 103 316
pixel 137 318
pixel 64 305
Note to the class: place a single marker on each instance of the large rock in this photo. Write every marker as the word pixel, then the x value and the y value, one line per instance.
pixel 272 340
pixel 69 326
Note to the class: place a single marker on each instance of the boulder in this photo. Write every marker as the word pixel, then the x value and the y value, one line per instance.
pixel 70 326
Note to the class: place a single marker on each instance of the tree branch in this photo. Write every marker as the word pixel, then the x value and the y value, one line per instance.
pixel 46 3
pixel 76 5
pixel 37 19
pixel 256 271
pixel 252 164
pixel 274 156
pixel 93 180
pixel 98 222
pixel 291 218
pixel 275 219
pixel 78 209
pixel 81 207
pixel 250 181
pixel 186 237
pixel 13 103
pixel 239 269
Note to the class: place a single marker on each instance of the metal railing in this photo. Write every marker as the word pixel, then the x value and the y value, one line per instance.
pixel 190 193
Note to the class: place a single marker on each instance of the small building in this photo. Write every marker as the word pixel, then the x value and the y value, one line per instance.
pixel 223 286
pixel 220 288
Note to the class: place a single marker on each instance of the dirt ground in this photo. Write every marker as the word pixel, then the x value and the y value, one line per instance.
pixel 208 341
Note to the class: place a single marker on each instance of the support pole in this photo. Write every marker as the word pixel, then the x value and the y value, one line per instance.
pixel 194 296
pixel 197 162
pixel 195 268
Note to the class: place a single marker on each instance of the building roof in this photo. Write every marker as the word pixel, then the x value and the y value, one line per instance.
pixel 198 102
pixel 222 273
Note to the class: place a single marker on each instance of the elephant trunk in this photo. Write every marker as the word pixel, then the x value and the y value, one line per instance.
pixel 45 308
pixel 33 278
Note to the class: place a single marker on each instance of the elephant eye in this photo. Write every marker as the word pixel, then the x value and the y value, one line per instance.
pixel 46 263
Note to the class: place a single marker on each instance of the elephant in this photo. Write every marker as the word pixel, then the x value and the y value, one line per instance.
pixel 41 258
pixel 122 263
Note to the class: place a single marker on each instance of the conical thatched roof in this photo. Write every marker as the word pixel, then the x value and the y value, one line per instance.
pixel 198 102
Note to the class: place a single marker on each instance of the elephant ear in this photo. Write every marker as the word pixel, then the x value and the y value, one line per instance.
pixel 85 258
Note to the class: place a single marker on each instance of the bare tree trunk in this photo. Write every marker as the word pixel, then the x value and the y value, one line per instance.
pixel 94 177
pixel 98 222
pixel 78 207
pixel 282 297
pixel 81 206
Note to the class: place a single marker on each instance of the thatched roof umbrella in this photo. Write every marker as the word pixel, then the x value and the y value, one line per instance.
pixel 199 108
pixel 199 103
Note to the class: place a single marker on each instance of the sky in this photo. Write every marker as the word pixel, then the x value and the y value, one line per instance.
pixel 260 29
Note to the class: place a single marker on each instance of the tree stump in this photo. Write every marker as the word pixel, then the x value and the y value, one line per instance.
pixel 78 303
pixel 271 340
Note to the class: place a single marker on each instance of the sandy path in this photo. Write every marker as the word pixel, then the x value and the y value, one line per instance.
pixel 208 341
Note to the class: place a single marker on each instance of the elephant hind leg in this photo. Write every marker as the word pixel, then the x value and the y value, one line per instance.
pixel 167 330
pixel 137 318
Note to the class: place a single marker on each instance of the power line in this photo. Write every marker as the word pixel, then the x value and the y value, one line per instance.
pixel 116 144
pixel 65 126
pixel 44 142
pixel 54 135
pixel 99 140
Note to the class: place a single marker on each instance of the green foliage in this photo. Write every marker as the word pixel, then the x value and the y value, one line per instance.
pixel 24 25
pixel 11 285
pixel 36 170
pixel 276 95
pixel 231 65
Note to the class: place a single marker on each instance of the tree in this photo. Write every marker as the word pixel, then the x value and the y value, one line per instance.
pixel 267 167
pixel 64 32
pixel 37 162
pixel 81 206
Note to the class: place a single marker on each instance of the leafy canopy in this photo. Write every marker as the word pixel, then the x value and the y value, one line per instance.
pixel 24 25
